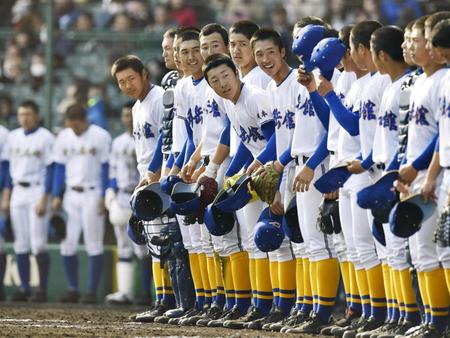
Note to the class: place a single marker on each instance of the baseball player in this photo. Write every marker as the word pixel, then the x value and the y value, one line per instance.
pixel 28 185
pixel 3 174
pixel 148 111
pixel 246 108
pixel 81 168
pixel 422 135
pixel 123 177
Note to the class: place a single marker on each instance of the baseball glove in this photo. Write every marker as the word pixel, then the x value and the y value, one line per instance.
pixel 328 221
pixel 266 186
pixel 442 233
pixel 209 190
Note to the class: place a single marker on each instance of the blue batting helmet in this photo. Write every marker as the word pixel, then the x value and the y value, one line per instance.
pixel 305 42
pixel 149 202
pixel 168 182
pixel 185 198
pixel 379 194
pixel 218 222
pixel 269 231
pixel 326 56
pixel 333 179
pixel 237 196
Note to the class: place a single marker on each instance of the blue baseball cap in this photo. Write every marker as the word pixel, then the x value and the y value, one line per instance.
pixel 333 179
pixel 380 194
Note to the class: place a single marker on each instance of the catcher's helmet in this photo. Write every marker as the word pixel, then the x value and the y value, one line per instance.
pixel 185 198
pixel 326 56
pixel 269 231
pixel 237 196
pixel 291 224
pixel 168 182
pixel 135 231
pixel 305 42
pixel 333 179
pixel 149 202
pixel 380 194
pixel 408 215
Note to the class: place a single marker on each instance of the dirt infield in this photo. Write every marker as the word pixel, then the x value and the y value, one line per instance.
pixel 39 320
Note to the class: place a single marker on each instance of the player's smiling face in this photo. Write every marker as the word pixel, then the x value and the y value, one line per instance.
pixel 167 48
pixel 241 50
pixel 132 83
pixel 268 56
pixel 190 57
pixel 224 81
pixel 212 44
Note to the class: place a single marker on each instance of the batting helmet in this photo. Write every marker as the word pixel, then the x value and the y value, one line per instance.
pixel 185 198
pixel 380 194
pixel 149 202
pixel 326 56
pixel 305 42
pixel 408 215
pixel 135 231
pixel 168 182
pixel 237 196
pixel 291 224
pixel 269 231
pixel 333 179
pixel 58 222
pixel 218 222
pixel 378 232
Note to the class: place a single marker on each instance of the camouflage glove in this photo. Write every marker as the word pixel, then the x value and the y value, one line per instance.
pixel 266 186
pixel 442 233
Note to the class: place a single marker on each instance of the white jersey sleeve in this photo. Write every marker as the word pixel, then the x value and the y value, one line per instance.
pixel 3 137
pixel 444 122
pixel 214 123
pixel 179 133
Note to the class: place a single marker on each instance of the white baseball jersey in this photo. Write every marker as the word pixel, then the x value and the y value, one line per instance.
pixel 247 116
pixel 444 122
pixel 122 162
pixel 308 129
pixel 28 154
pixel 284 99
pixel 194 106
pixel 424 107
pixel 385 142
pixel 83 155
pixel 342 87
pixel 369 110
pixel 147 122
pixel 349 147
pixel 214 122
pixel 256 78
pixel 179 133
pixel 3 136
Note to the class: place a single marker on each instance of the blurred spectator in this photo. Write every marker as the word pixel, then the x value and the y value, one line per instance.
pixel 96 112
pixel 84 22
pixel 297 9
pixel 156 70
pixel 25 15
pixel 75 93
pixel 161 20
pixel 183 14
pixel 138 12
pixel 400 12
pixel 340 13
pixel 7 116
pixel 66 13
pixel 13 70
pixel 37 70
pixel 370 10
pixel 24 41
pixel 121 23
pixel 280 24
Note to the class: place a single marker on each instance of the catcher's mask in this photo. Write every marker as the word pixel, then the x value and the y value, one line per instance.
pixel 304 43
pixel 326 56
pixel 290 222
pixel 333 179
pixel 378 232
pixel 408 215
pixel 269 231
pixel 380 194
pixel 135 230
pixel 236 196
pixel 149 202
pixel 185 198
pixel 160 236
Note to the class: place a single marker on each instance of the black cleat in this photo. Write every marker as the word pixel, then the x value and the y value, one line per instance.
pixel 71 296
pixel 89 298
pixel 39 296
pixel 21 295
pixel 252 315
pixel 232 314
pixel 149 316
pixel 264 323
pixel 311 326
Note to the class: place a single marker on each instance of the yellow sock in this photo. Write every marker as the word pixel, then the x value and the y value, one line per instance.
pixel 363 289
pixel 252 269
pixel 286 278
pixel 447 278
pixel 345 273
pixel 167 282
pixel 327 274
pixel 274 280
pixel 228 281
pixel 408 295
pixel 203 264
pixel 397 285
pixel 438 297
pixel 307 291
pixel 241 278
pixel 377 292
pixel 220 282
pixel 158 280
pixel 263 286
pixel 314 283
pixel 388 287
pixel 197 279
pixel 424 295
pixel 211 268
pixel 299 281
pixel 355 298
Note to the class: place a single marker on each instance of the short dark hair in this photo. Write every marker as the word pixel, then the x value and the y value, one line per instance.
pixel 311 20
pixel 344 35
pixel 433 19
pixel 30 104
pixel 362 31
pixel 212 28
pixel 420 23
pixel 76 111
pixel 267 34
pixel 440 35
pixel 216 60
pixel 170 33
pixel 125 62
pixel 244 27
pixel 388 39
pixel 186 35
pixel 409 26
